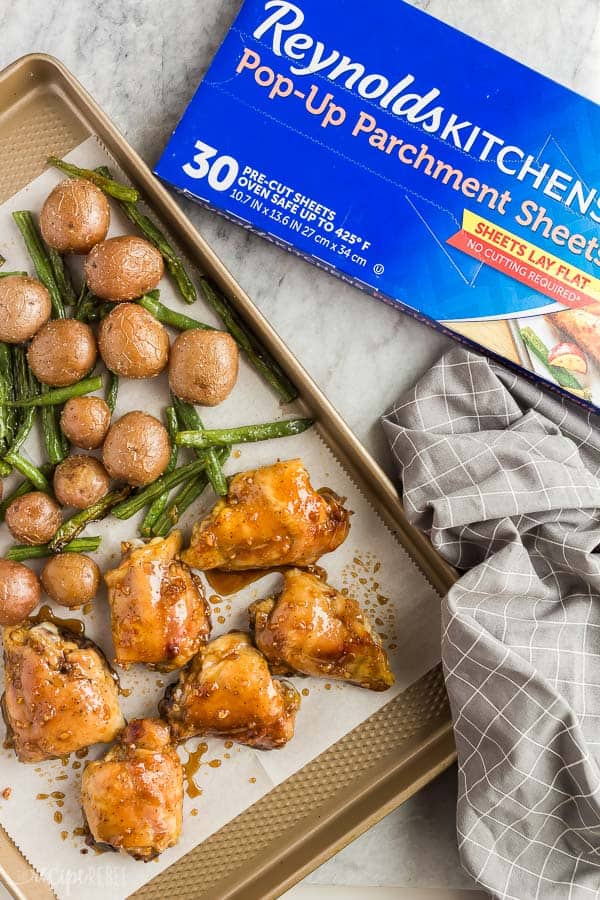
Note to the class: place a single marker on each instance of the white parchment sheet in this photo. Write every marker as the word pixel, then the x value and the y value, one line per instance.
pixel 42 813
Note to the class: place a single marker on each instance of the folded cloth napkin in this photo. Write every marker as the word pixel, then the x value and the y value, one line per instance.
pixel 505 480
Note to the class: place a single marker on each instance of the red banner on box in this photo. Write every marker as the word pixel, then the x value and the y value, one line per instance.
pixel 523 261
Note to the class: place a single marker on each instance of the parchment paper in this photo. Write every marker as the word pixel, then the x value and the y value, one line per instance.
pixel 400 602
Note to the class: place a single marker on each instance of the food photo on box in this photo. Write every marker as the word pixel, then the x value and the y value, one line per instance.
pixel 241 628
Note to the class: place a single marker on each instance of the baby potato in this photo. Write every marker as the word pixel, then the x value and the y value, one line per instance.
pixel 203 366
pixel 123 268
pixel 62 352
pixel 24 307
pixel 75 216
pixel 132 342
pixel 85 421
pixel 80 481
pixel 136 449
pixel 20 592
pixel 33 518
pixel 71 579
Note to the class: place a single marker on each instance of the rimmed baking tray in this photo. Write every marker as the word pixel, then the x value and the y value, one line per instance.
pixel 308 818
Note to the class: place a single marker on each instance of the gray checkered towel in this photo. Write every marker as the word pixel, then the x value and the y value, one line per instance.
pixel 505 480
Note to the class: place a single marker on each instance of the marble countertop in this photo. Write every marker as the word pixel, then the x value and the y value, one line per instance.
pixel 141 60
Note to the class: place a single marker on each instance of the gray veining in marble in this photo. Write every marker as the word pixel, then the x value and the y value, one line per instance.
pixel 141 59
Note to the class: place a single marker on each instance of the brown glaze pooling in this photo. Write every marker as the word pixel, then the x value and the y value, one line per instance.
pixel 85 421
pixel 25 306
pixel 62 352
pixel 137 449
pixel 227 690
pixel 133 797
pixel 132 342
pixel 158 610
pixel 123 268
pixel 60 694
pixel 75 216
pixel 228 583
pixel 313 629
pixel 270 517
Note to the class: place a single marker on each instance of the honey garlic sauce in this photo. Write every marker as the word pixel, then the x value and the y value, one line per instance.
pixel 45 614
pixel 228 583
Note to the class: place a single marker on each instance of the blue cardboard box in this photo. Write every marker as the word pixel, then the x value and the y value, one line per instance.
pixel 416 163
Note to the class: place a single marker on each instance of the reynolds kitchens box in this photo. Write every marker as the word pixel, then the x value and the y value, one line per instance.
pixel 414 162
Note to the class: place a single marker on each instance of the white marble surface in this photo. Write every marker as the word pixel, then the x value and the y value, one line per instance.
pixel 141 59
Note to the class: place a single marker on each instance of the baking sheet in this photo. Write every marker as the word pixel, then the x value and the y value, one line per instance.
pixel 371 563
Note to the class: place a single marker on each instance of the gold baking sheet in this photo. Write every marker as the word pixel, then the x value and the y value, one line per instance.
pixel 303 821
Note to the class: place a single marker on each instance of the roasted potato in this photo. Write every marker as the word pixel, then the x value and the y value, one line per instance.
pixel 19 592
pixel 123 268
pixel 132 342
pixel 75 216
pixel 24 307
pixel 136 449
pixel 33 518
pixel 62 352
pixel 71 579
pixel 80 481
pixel 85 421
pixel 203 367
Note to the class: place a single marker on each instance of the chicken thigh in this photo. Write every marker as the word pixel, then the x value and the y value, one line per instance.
pixel 159 613
pixel 133 797
pixel 313 629
pixel 228 691
pixel 60 693
pixel 270 517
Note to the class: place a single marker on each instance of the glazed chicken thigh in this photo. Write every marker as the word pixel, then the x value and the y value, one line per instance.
pixel 60 694
pixel 159 613
pixel 270 517
pixel 313 629
pixel 133 797
pixel 228 691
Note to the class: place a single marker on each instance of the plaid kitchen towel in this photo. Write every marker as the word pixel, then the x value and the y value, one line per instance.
pixel 505 480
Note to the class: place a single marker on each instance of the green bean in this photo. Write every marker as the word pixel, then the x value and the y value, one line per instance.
pixel 184 499
pixel 31 472
pixel 202 439
pixel 108 185
pixel 10 274
pixel 61 277
pixel 175 509
pixel 169 316
pixel 53 437
pixel 60 395
pixel 190 420
pixel 21 552
pixel 166 482
pixel 257 355
pixel 91 308
pixel 5 396
pixel 24 386
pixel 40 260
pixel 112 391
pixel 157 507
pixel 75 525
